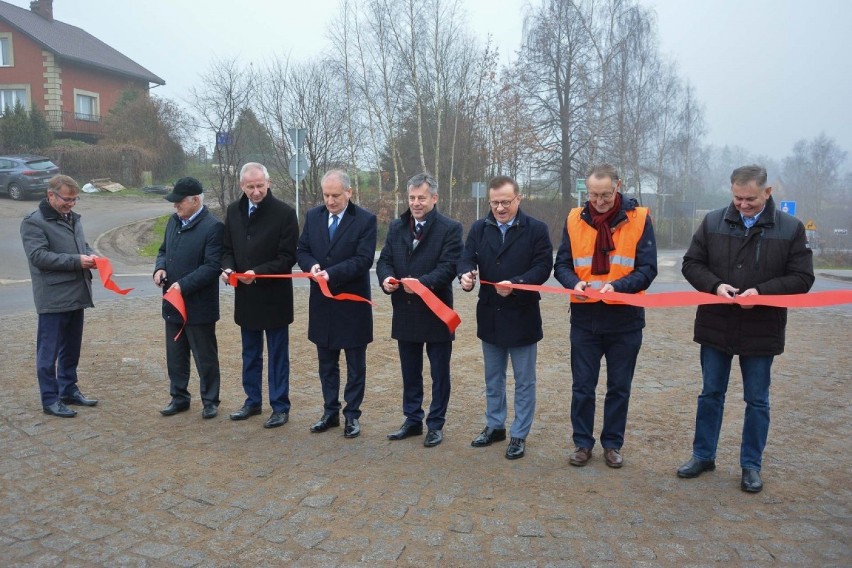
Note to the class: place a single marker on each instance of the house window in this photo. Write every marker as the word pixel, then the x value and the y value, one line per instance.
pixel 7 55
pixel 11 95
pixel 86 105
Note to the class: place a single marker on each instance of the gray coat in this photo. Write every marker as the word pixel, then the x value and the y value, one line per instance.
pixel 53 247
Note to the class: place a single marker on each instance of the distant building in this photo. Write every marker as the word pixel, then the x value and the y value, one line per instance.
pixel 64 72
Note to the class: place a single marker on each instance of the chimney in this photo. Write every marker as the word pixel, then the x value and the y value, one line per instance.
pixel 43 8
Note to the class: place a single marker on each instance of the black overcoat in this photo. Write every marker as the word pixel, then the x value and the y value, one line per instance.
pixel 266 243
pixel 339 324
pixel 432 262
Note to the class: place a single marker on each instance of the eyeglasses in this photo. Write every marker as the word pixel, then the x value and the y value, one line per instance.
pixel 67 199
pixel 602 196
pixel 505 203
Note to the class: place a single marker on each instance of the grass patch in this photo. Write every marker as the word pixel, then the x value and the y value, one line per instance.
pixel 158 231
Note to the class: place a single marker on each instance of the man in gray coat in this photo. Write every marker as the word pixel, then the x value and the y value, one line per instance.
pixel 60 263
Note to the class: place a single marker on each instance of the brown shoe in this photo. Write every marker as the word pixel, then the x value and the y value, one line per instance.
pixel 613 458
pixel 580 457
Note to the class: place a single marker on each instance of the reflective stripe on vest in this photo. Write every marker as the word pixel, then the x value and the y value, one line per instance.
pixel 621 260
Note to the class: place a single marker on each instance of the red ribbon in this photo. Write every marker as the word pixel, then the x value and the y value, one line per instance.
pixel 681 299
pixel 321 282
pixel 445 313
pixel 104 267
pixel 175 298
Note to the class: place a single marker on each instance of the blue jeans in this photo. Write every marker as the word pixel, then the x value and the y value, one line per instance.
pixel 58 342
pixel 496 360
pixel 716 370
pixel 278 351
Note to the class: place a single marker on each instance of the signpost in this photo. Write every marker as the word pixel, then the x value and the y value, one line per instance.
pixel 581 189
pixel 789 207
pixel 477 190
pixel 298 166
pixel 810 225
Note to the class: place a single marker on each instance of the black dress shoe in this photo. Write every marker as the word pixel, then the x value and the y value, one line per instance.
pixel 433 438
pixel 210 411
pixel 277 419
pixel 407 429
pixel 516 449
pixel 174 407
pixel 695 467
pixel 59 409
pixel 489 436
pixel 244 412
pixel 79 399
pixel 327 421
pixel 352 428
pixel 751 482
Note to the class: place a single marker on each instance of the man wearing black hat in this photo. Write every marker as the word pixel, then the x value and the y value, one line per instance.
pixel 189 261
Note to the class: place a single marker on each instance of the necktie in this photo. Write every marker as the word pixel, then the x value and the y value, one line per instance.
pixel 418 231
pixel 503 229
pixel 333 227
pixel 252 210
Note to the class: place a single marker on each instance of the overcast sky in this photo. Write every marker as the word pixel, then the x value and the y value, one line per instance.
pixel 768 72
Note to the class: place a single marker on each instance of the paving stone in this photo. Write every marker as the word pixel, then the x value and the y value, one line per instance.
pixel 318 501
pixel 310 539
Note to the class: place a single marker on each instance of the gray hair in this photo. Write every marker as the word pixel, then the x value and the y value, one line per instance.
pixel 340 175
pixel 745 174
pixel 419 179
pixel 603 170
pixel 253 166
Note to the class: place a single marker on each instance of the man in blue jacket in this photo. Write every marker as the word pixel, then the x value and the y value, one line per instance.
pixel 338 245
pixel 425 245
pixel 507 247
pixel 189 261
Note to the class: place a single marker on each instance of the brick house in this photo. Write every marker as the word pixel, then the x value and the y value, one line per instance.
pixel 63 71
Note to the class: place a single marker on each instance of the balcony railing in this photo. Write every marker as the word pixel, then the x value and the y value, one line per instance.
pixel 75 122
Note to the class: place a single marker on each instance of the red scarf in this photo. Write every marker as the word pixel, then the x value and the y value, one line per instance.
pixel 603 242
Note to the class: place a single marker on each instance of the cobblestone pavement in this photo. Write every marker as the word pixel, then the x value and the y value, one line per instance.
pixel 120 485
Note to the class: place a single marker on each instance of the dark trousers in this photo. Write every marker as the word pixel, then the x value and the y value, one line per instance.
pixel 356 379
pixel 58 342
pixel 200 340
pixel 278 373
pixel 587 349
pixel 411 359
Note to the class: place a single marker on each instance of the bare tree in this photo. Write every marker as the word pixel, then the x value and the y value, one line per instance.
pixel 226 90
pixel 812 172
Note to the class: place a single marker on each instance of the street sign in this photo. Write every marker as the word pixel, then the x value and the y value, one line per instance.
pixel 789 207
pixel 223 138
pixel 298 167
pixel 841 231
pixel 477 189
pixel 810 225
pixel 297 136
pixel 581 185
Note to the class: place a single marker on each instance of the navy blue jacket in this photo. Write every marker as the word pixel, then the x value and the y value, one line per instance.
pixel 432 262
pixel 339 324
pixel 526 257
pixel 192 257
pixel 266 243
pixel 600 317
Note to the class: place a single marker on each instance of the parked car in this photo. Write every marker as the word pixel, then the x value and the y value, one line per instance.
pixel 23 175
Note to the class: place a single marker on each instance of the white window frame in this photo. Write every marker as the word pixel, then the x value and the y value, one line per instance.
pixel 10 51
pixel 94 116
pixel 26 100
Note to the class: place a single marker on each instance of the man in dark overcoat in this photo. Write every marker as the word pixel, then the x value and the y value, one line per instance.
pixel 260 238
pixel 189 261
pixel 507 247
pixel 426 245
pixel 338 245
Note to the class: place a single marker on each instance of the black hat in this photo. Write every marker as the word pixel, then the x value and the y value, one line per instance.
pixel 184 187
